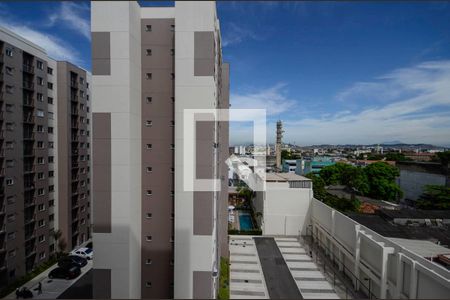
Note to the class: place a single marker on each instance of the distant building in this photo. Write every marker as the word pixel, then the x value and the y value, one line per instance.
pixel 420 156
pixel 289 166
pixel 313 165
pixel 414 176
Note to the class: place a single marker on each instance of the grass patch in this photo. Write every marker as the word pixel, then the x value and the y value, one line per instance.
pixel 224 279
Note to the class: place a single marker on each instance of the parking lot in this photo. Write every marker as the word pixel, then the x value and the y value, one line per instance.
pixel 52 288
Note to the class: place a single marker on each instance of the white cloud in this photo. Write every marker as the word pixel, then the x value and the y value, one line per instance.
pixel 418 110
pixel 55 47
pixel 272 99
pixel 73 15
pixel 234 34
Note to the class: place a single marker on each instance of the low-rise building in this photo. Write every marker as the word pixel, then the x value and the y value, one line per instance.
pixel 313 165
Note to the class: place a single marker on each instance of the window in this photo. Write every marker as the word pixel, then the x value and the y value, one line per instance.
pixel 49 71
pixel 173 99
pixel 51 188
pixel 50 85
pixel 41 192
pixel 148 123
pixel 40 144
pixel 172 170
pixel 40 128
pixel 51 174
pixel 9 107
pixel 172 123
pixel 10 145
pixel 51 217
pixel 148 261
pixel 172 193
pixel 42 255
pixel 51 203
pixel 40 80
pixel 40 113
pixel 50 145
pixel 9 181
pixel 172 52
pixel 149 192
pixel 40 65
pixel 11 200
pixel 172 146
pixel 9 52
pixel 10 126
pixel 82 94
pixel 149 146
pixel 50 100
pixel 51 159
pixel 148 27
pixel 148 238
pixel 40 97
pixel 171 239
pixel 81 80
pixel 149 99
pixel 148 75
pixel 171 262
pixel 9 70
pixel 41 207
pixel 11 218
pixel 149 52
pixel 40 160
pixel 50 130
pixel 41 223
pixel 50 115
pixel 172 27
pixel 149 169
pixel 82 106
pixel 41 238
pixel 10 163
pixel 172 75
pixel 9 89
pixel 11 235
pixel 172 215
pixel 148 215
pixel 40 175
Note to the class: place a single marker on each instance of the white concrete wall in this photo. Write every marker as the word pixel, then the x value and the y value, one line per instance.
pixel 192 252
pixel 394 271
pixel 285 210
pixel 120 94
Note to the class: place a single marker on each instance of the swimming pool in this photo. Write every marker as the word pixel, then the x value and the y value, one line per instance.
pixel 245 221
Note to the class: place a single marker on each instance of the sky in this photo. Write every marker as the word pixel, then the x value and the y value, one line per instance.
pixel 333 72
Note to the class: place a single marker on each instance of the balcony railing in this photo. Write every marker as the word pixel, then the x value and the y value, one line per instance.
pixel 29 101
pixel 28 119
pixel 74 84
pixel 28 85
pixel 28 136
pixel 28 68
pixel 29 152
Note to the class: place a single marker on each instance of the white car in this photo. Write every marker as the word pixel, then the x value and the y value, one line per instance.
pixel 83 252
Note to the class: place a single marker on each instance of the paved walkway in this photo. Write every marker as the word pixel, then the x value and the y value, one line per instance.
pixel 310 280
pixel 246 276
pixel 51 288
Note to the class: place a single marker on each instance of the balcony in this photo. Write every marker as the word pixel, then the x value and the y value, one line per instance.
pixel 29 152
pixel 74 111
pixel 74 98
pixel 28 68
pixel 28 119
pixel 30 219
pixel 29 136
pixel 73 84
pixel 28 169
pixel 30 251
pixel 29 187
pixel 29 85
pixel 30 203
pixel 30 235
pixel 28 102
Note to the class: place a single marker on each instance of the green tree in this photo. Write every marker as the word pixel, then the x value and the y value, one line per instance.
pixel 381 180
pixel 319 190
pixel 442 157
pixel 395 156
pixel 434 197
pixel 286 154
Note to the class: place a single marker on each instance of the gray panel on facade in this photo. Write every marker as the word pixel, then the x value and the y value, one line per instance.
pixel 202 285
pixel 101 53
pixel 101 157
pixel 101 283
pixel 204 53
pixel 203 219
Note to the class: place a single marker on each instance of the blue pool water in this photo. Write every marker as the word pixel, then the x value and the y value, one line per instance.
pixel 245 222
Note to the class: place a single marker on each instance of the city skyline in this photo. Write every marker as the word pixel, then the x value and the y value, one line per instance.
pixel 322 68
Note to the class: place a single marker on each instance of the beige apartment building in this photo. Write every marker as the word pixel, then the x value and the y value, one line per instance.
pixel 33 162
pixel 153 237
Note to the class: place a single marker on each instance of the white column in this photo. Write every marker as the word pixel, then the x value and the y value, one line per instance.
pixel 399 276
pixel 357 256
pixel 413 281
pixel 384 261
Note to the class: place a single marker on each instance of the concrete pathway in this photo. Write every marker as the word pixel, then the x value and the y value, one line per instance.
pixel 310 280
pixel 51 288
pixel 246 276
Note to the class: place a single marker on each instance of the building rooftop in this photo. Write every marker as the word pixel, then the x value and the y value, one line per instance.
pixel 422 248
pixel 284 177
pixel 416 214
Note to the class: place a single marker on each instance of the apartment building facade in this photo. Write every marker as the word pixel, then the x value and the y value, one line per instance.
pixel 29 195
pixel 150 64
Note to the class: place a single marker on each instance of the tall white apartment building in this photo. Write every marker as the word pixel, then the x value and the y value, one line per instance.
pixel 153 237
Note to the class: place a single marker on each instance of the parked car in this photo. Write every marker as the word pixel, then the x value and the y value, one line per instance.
pixel 63 273
pixel 72 260
pixel 83 252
